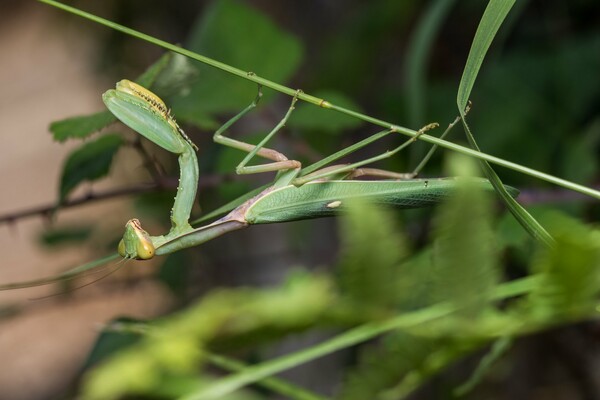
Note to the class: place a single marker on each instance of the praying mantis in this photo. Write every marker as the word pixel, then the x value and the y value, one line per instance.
pixel 318 190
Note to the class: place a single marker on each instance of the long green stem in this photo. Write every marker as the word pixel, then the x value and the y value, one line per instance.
pixel 325 104
pixel 275 384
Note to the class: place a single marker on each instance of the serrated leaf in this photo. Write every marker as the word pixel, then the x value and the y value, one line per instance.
pixel 464 269
pixel 88 163
pixel 372 250
pixel 570 271
pixel 308 116
pixel 80 127
pixel 241 36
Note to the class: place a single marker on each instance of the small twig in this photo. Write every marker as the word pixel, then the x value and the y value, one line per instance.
pixel 161 184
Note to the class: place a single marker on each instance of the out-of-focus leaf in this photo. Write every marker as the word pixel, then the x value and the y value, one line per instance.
pixel 496 351
pixel 239 35
pixel 308 116
pixel 174 273
pixel 196 118
pixel 80 127
pixel 465 253
pixel 65 235
pixel 155 205
pixel 109 342
pixel 417 57
pixel 149 76
pixel 178 348
pixel 570 271
pixel 176 77
pixel 580 162
pixel 88 163
pixel 372 250
pixel 399 364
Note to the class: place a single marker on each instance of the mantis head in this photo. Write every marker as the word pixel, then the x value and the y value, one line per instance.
pixel 145 113
pixel 136 242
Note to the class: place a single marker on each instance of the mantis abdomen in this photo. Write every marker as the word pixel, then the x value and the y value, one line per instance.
pixel 327 198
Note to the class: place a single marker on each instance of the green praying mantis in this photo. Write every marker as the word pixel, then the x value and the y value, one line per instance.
pixel 318 190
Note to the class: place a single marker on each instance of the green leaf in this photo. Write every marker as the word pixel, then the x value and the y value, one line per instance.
pixel 236 34
pixel 178 346
pixel 308 116
pixel 417 57
pixel 88 163
pixel 80 127
pixel 570 271
pixel 464 253
pixel 196 118
pixel 174 78
pixel 580 161
pixel 149 76
pixel 494 15
pixel 110 342
pixel 372 250
pixel 527 221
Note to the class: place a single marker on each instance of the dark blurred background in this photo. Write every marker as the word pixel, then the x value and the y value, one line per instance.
pixel 536 103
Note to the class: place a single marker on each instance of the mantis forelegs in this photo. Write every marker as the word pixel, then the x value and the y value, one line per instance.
pixel 147 114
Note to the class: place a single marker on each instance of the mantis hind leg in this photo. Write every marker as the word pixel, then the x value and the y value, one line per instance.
pixel 280 161
pixel 351 168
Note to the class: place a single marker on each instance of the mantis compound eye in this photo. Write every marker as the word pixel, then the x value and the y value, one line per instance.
pixel 136 242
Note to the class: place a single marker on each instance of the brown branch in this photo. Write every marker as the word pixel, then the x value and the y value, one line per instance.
pixel 90 197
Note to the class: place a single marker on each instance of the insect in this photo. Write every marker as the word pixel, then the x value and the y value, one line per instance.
pixel 318 190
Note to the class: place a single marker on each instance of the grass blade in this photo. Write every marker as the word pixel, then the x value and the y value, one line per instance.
pixel 494 15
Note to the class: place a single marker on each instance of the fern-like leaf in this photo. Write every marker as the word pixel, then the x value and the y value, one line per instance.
pixel 464 268
pixel 372 250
